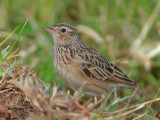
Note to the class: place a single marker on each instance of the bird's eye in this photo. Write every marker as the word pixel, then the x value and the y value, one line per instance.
pixel 63 30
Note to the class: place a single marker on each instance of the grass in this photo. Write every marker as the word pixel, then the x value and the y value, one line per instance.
pixel 128 30
pixel 6 57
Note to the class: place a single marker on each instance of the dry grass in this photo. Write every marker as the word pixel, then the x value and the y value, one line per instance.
pixel 23 96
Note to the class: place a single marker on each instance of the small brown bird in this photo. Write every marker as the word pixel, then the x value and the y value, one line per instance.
pixel 76 62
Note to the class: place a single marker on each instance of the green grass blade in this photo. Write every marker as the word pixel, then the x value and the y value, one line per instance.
pixel 15 42
pixel 1 70
pixel 0 62
pixel 0 55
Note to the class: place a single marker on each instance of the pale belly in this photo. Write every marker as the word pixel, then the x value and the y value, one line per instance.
pixel 74 78
pixel 67 75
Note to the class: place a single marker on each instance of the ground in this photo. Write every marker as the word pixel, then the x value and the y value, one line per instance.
pixel 23 96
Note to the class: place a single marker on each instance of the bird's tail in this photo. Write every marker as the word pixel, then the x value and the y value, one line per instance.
pixel 135 87
pixel 143 92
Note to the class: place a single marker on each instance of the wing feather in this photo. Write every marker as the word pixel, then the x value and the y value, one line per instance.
pixel 99 67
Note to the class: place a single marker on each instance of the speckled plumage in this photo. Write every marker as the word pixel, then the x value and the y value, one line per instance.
pixel 76 62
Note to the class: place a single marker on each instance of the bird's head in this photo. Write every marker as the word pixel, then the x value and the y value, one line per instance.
pixel 62 33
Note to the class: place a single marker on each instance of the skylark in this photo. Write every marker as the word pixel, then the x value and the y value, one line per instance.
pixel 76 62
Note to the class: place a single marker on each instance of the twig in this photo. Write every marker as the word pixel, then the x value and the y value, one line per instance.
pixel 12 56
pixel 14 52
pixel 134 93
pixel 6 66
pixel 54 93
pixel 126 108
pixel 147 26
pixel 8 36
pixel 154 52
pixel 147 109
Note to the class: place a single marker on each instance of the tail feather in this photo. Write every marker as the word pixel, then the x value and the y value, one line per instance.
pixel 142 92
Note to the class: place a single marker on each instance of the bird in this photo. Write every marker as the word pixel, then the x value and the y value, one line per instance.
pixel 76 63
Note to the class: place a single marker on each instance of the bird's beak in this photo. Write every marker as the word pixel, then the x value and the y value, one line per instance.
pixel 48 29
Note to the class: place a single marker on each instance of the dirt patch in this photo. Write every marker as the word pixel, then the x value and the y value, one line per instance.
pixel 15 104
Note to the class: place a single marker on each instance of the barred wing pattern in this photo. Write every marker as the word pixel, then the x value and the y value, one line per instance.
pixel 97 66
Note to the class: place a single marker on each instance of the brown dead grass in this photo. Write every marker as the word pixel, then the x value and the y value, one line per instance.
pixel 23 97
pixel 13 101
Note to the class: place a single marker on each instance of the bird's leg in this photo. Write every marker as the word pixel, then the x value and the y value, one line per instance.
pixel 97 103
pixel 89 101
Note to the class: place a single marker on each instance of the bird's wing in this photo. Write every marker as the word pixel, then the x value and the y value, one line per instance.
pixel 95 65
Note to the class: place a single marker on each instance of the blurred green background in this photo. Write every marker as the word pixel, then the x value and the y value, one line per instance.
pixel 126 31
